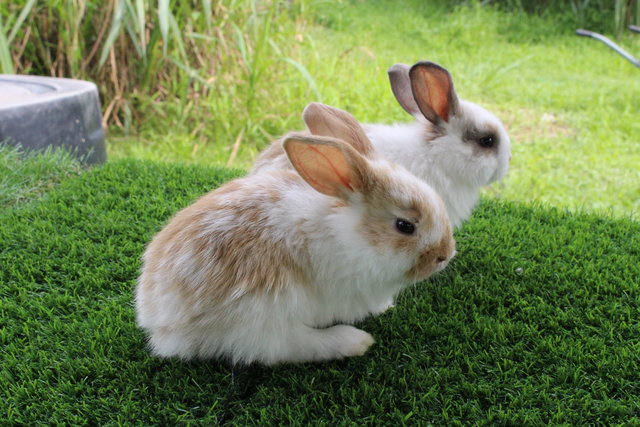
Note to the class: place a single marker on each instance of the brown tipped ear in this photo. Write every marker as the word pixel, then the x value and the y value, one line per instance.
pixel 401 88
pixel 324 120
pixel 330 166
pixel 433 91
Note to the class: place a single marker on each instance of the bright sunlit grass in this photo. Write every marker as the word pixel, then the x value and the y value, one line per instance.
pixel 26 176
pixel 569 103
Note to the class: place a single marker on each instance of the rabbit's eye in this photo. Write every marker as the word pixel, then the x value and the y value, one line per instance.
pixel 486 141
pixel 404 226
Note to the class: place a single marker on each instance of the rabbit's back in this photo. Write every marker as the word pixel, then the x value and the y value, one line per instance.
pixel 226 245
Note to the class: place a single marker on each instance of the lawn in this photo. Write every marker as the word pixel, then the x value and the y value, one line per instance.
pixel 570 104
pixel 26 177
pixel 536 321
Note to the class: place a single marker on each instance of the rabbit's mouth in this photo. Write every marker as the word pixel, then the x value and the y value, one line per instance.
pixel 495 177
pixel 499 173
pixel 425 268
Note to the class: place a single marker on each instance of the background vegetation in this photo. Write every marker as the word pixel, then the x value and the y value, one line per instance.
pixel 213 82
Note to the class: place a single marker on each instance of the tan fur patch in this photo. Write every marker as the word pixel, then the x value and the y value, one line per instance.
pixel 274 196
pixel 428 259
pixel 269 156
pixel 242 258
pixel 272 151
pixel 273 157
pixel 229 187
pixel 382 210
pixel 324 120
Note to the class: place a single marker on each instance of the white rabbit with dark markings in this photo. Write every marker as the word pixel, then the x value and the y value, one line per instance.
pixel 456 146
pixel 272 267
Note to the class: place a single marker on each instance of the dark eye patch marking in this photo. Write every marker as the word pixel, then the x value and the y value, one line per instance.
pixel 484 140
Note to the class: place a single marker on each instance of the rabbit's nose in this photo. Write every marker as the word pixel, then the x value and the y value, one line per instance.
pixel 446 257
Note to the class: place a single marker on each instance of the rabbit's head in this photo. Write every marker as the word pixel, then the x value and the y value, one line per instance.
pixel 466 139
pixel 385 208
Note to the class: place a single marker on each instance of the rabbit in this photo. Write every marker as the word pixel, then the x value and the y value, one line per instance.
pixel 273 267
pixel 454 145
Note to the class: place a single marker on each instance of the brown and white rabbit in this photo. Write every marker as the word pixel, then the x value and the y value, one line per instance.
pixel 269 267
pixel 454 145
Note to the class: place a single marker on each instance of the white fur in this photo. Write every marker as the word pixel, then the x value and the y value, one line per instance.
pixel 349 280
pixel 446 163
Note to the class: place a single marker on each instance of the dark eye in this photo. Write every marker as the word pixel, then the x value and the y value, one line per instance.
pixel 404 226
pixel 486 141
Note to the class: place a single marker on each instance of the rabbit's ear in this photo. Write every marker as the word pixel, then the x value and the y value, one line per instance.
pixel 433 91
pixel 324 120
pixel 330 166
pixel 401 87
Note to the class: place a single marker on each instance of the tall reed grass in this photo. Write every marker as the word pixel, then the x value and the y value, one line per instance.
pixel 143 50
pixel 140 52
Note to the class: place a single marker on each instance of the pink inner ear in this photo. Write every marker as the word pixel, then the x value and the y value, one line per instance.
pixel 324 168
pixel 322 165
pixel 439 94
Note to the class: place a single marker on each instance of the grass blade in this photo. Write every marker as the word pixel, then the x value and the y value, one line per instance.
pixel 21 18
pixel 114 31
pixel 192 73
pixel 177 35
pixel 131 25
pixel 202 37
pixel 163 20
pixel 242 47
pixel 6 63
pixel 208 12
pixel 141 15
pixel 306 75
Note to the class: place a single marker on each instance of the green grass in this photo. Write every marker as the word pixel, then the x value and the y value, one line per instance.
pixel 181 84
pixel 26 176
pixel 570 103
pixel 536 321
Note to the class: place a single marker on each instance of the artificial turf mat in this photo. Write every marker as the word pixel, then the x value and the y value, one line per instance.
pixel 536 321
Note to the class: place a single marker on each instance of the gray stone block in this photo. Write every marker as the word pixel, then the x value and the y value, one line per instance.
pixel 39 112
